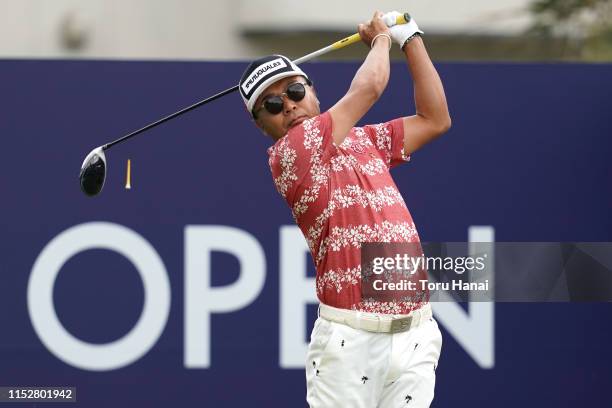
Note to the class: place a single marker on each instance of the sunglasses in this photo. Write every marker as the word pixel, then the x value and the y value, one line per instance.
pixel 274 103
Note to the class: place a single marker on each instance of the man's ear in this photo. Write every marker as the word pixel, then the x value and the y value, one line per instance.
pixel 313 89
pixel 316 96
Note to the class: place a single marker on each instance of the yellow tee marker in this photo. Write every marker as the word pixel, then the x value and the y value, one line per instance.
pixel 128 176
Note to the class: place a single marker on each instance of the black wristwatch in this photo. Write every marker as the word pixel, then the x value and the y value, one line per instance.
pixel 410 38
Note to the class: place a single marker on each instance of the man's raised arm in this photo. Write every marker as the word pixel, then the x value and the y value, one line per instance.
pixel 369 82
pixel 432 118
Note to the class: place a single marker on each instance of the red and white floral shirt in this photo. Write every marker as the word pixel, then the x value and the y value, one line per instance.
pixel 343 196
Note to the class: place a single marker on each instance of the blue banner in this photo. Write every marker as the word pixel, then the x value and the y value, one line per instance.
pixel 194 287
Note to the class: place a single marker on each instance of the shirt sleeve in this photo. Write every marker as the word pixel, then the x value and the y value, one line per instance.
pixel 388 138
pixel 299 156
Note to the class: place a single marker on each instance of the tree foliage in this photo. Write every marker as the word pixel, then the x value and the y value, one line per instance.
pixel 586 25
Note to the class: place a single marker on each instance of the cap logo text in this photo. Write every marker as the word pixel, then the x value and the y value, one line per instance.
pixel 261 72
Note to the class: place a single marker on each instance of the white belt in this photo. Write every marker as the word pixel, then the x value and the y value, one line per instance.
pixel 376 322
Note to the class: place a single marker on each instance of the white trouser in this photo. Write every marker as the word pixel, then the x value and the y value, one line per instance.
pixel 352 368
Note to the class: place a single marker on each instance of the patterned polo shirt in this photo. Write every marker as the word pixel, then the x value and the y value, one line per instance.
pixel 342 196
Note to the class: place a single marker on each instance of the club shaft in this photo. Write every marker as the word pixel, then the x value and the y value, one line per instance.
pixel 313 55
pixel 403 19
pixel 172 116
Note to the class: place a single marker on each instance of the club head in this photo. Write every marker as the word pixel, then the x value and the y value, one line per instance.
pixel 93 172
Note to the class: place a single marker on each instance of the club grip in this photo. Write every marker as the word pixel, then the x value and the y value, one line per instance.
pixel 402 19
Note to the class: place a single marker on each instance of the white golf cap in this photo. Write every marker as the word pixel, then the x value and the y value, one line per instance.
pixel 262 73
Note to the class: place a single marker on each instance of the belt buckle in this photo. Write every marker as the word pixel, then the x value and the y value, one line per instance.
pixel 400 325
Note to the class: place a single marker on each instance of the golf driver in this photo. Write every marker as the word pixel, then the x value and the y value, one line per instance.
pixel 93 169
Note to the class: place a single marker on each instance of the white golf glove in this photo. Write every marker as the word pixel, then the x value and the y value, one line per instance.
pixel 400 32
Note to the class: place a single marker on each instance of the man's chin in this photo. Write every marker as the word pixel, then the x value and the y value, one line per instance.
pixel 299 121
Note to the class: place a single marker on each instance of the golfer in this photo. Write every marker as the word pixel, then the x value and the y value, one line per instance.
pixel 335 177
